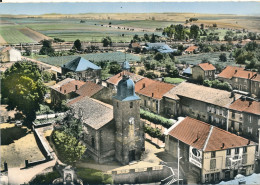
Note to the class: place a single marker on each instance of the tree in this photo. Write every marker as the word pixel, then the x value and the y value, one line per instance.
pixel 23 87
pixel 132 69
pixel 158 56
pixel 106 41
pixel 46 48
pixel 46 76
pixel 141 72
pixel 69 148
pixel 202 26
pixel 194 31
pixel 215 25
pixel 114 68
pixel 223 57
pixel 151 75
pixel 77 45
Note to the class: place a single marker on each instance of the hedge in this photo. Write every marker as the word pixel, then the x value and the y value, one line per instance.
pixel 156 118
pixel 92 176
pixel 45 178
pixel 154 132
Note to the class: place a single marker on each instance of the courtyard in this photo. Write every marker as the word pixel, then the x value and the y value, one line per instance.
pixel 21 143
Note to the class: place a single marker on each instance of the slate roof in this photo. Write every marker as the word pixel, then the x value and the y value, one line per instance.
pixel 243 105
pixel 116 78
pixel 201 93
pixel 160 47
pixel 125 65
pixel 89 89
pixel 68 85
pixel 80 64
pixel 95 113
pixel 188 70
pixel 154 89
pixel 204 136
pixel 207 66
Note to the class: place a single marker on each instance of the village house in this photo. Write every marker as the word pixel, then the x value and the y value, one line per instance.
pixel 64 90
pixel 199 102
pixel 244 118
pixel 203 71
pixel 247 82
pixel 151 92
pixel 83 70
pixel 209 153
pixel 112 132
pixel 191 49
pixel 9 54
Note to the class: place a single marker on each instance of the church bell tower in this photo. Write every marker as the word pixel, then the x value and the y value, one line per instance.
pixel 129 129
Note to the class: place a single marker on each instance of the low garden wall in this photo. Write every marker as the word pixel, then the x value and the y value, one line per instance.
pixel 141 175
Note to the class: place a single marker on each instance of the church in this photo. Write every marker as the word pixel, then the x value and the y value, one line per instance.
pixel 112 132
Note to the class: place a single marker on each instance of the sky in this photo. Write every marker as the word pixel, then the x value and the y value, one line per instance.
pixel 239 8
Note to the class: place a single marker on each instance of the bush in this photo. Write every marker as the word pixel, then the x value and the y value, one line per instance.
pixel 45 178
pixel 154 132
pixel 155 118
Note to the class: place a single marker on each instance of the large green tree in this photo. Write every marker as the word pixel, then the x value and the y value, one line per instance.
pixel 77 45
pixel 23 87
pixel 194 31
pixel 106 41
pixel 46 48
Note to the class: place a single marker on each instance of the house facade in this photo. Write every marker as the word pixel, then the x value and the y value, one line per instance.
pixel 204 71
pixel 83 70
pixel 244 118
pixel 209 153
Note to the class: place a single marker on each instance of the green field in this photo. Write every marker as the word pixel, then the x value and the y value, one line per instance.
pixel 212 57
pixel 12 35
pixel 97 57
pixel 173 80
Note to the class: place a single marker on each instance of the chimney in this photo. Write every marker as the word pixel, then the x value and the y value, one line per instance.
pixel 250 103
pixel 143 85
pixel 76 87
pixel 248 143
pixel 248 75
pixel 60 89
pixel 223 145
pixel 152 94
pixel 235 71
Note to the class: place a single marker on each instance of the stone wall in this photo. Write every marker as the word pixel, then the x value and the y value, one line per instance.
pixel 141 176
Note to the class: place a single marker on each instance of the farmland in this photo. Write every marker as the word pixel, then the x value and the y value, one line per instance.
pixel 118 26
pixel 212 57
pixel 97 57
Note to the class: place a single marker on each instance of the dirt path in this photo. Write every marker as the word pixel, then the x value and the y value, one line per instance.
pixel 2 41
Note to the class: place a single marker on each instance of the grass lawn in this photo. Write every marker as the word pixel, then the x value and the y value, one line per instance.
pixel 173 80
pixel 17 145
pixel 92 176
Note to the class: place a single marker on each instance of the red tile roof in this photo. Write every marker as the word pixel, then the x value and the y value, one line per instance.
pixel 115 79
pixel 207 66
pixel 246 106
pixel 143 83
pixel 229 71
pixel 191 48
pixel 244 74
pixel 205 137
pixel 68 85
pixel 89 89
pixel 155 89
